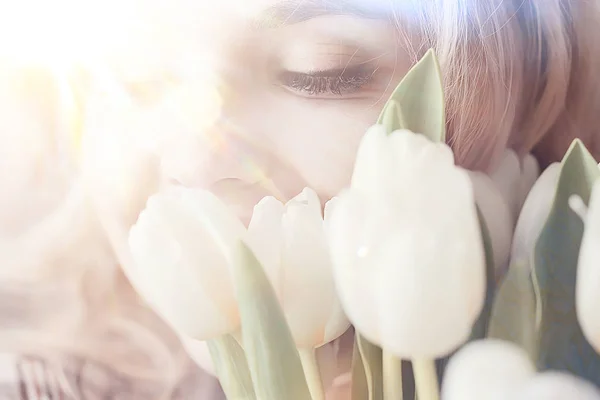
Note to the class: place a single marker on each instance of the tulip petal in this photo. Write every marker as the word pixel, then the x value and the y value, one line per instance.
pixel 217 219
pixel 486 370
pixel 183 264
pixel 265 238
pixel 370 160
pixel 557 386
pixel 498 218
pixel 507 178
pixel 436 284
pixel 309 296
pixel 199 353
pixel 169 289
pixel 337 321
pixel 588 273
pixel 309 198
pixel 431 316
pixel 345 225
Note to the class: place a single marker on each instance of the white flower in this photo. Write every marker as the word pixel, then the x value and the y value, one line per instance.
pixel 555 385
pixel 534 215
pixel 500 197
pixel 406 246
pixel 199 353
pixel 497 370
pixel 486 370
pixel 588 273
pixel 290 242
pixel 514 179
pixel 497 216
pixel 180 245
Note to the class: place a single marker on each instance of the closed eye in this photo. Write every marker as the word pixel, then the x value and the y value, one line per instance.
pixel 328 83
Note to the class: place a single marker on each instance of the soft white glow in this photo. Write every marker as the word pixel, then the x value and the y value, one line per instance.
pixel 63 32
pixel 54 33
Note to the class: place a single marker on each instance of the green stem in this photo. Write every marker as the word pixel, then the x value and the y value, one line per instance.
pixel 392 377
pixel 312 373
pixel 426 380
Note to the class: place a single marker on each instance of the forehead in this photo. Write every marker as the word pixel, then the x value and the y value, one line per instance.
pixel 275 13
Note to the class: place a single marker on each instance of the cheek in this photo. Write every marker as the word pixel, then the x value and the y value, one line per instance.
pixel 318 138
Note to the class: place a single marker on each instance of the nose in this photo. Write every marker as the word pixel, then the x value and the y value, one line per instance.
pixel 222 152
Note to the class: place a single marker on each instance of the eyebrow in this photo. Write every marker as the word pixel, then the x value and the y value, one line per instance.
pixel 289 12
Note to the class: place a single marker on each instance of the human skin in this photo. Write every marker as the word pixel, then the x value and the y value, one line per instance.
pixel 295 94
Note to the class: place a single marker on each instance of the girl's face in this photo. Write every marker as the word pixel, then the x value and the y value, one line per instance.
pixel 296 84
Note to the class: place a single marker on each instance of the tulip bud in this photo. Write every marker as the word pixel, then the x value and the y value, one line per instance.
pixel 406 246
pixel 486 370
pixel 500 197
pixel 588 273
pixel 290 242
pixel 557 386
pixel 180 245
pixel 507 178
pixel 497 215
pixel 199 353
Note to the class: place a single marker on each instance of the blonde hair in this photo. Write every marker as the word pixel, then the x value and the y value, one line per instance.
pixel 517 73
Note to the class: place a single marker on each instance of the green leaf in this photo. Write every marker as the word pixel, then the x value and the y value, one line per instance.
pixel 272 356
pixel 367 370
pixel 417 104
pixel 392 117
pixel 561 343
pixel 514 311
pixel 232 368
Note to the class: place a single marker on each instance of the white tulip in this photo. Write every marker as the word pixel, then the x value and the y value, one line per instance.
pixel 500 197
pixel 497 215
pixel 507 178
pixel 199 353
pixel 534 215
pixel 514 179
pixel 290 242
pixel 406 246
pixel 557 386
pixel 486 370
pixel 180 245
pixel 588 273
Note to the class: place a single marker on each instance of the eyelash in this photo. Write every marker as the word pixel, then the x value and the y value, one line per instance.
pixel 336 82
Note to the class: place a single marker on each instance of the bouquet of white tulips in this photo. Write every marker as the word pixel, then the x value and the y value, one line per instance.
pixel 483 291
